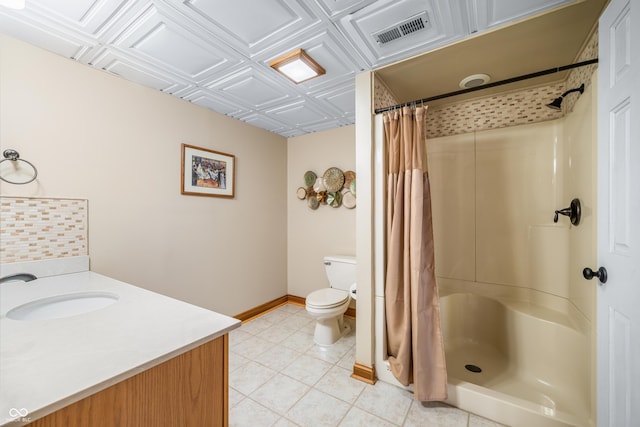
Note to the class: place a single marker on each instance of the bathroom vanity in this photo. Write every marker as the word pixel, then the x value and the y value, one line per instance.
pixel 132 358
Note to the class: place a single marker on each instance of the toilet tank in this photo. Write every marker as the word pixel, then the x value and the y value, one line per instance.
pixel 341 271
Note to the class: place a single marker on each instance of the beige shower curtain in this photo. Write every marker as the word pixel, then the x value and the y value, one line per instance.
pixel 414 339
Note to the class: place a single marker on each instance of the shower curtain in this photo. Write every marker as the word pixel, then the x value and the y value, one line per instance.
pixel 414 339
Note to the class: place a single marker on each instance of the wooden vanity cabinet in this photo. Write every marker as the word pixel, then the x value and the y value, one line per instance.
pixel 189 390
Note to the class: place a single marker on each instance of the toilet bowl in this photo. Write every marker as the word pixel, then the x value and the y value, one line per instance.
pixel 328 305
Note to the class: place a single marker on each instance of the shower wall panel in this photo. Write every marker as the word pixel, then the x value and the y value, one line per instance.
pixel 580 181
pixel 517 188
pixel 452 177
pixel 494 195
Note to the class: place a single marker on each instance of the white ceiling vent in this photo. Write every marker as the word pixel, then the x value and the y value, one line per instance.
pixel 415 24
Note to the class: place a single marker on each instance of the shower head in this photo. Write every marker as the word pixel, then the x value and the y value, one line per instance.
pixel 556 104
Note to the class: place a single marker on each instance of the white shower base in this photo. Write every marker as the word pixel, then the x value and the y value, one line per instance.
pixel 534 361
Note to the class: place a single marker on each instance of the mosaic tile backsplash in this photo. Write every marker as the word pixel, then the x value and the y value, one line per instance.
pixel 510 109
pixel 582 75
pixel 33 229
pixel 382 95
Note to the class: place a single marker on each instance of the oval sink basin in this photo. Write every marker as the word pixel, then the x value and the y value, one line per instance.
pixel 60 306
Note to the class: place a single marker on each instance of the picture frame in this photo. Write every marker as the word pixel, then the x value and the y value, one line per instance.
pixel 206 172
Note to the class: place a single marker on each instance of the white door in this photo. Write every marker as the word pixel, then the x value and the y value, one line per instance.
pixel 619 215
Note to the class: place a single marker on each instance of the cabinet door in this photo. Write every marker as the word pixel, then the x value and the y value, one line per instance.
pixel 188 390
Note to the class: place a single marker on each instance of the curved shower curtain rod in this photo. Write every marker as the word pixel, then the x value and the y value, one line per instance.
pixel 494 84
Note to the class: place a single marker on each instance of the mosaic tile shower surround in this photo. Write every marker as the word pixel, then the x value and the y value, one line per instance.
pixel 511 109
pixel 382 95
pixel 36 229
pixel 582 75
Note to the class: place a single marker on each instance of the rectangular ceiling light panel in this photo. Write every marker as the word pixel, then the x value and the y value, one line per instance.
pixel 297 66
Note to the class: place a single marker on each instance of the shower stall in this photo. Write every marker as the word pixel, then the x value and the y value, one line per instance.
pixel 518 318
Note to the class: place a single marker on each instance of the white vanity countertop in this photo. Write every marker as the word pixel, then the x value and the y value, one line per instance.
pixel 46 365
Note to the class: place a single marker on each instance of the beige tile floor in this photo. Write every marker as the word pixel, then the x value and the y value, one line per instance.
pixel 279 377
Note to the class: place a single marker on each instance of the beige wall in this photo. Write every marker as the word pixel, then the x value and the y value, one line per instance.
pixel 312 234
pixel 93 135
pixel 368 161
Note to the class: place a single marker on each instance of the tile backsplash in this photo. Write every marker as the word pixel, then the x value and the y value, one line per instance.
pixel 33 229
pixel 504 110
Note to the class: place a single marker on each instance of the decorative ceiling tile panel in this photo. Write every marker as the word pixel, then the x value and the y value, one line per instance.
pixel 33 32
pixel 88 16
pixel 335 8
pixel 78 11
pixel 342 99
pixel 324 125
pixel 264 122
pixel 327 48
pixel 174 49
pixel 112 62
pixel 155 37
pixel 252 26
pixel 292 132
pixel 441 22
pixel 215 53
pixel 209 100
pixel 300 114
pixel 492 13
pixel 252 89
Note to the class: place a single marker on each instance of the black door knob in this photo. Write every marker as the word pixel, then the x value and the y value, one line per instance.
pixel 601 274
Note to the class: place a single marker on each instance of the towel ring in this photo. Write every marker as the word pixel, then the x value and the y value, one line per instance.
pixel 14 156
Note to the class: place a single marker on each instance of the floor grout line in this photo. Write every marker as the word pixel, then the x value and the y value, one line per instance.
pixel 336 355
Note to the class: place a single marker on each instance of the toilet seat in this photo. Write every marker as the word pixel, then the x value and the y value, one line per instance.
pixel 327 298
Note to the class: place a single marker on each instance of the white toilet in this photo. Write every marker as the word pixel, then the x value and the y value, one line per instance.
pixel 328 305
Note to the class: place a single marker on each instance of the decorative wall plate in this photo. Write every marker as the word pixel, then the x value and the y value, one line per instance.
pixel 301 192
pixel 348 200
pixel 333 179
pixel 322 197
pixel 311 192
pixel 334 199
pixel 348 177
pixel 319 186
pixel 313 203
pixel 309 178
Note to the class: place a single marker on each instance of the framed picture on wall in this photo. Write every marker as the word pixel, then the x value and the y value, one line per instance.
pixel 207 173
